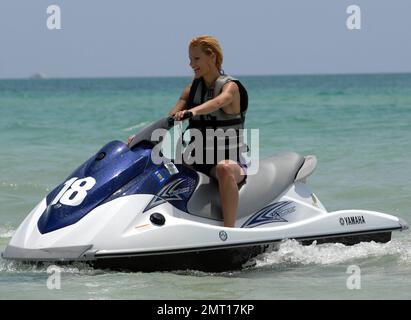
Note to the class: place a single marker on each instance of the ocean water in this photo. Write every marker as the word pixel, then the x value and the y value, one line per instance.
pixel 358 126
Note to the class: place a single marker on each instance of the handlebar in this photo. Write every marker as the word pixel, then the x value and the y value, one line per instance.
pixel 145 134
pixel 187 115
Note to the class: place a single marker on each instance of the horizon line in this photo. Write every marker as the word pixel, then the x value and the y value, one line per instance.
pixel 45 77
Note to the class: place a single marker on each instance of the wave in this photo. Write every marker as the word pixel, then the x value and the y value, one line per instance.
pixel 80 268
pixel 137 126
pixel 23 186
pixel 331 93
pixel 291 252
pixel 6 231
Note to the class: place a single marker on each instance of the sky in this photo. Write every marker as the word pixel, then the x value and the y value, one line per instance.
pixel 140 38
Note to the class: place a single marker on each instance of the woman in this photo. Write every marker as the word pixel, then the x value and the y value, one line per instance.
pixel 217 101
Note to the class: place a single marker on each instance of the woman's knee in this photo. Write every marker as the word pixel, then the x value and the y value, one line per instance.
pixel 224 170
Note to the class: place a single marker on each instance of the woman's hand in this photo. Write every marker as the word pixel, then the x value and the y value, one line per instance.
pixel 180 114
pixel 130 139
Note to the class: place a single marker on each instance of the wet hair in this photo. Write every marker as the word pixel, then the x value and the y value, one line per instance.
pixel 209 45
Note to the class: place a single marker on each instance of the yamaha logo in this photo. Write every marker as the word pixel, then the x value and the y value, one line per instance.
pixel 353 220
pixel 223 235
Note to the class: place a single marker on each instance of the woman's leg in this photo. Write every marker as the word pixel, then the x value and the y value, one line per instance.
pixel 229 174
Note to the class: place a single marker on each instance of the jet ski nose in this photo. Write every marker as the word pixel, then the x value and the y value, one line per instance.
pixel 403 224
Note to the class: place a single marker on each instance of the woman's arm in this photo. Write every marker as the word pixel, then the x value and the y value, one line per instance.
pixel 225 98
pixel 182 102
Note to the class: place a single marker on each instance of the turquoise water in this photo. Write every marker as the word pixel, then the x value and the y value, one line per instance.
pixel 358 126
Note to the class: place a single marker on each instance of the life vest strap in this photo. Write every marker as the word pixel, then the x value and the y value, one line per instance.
pixel 213 123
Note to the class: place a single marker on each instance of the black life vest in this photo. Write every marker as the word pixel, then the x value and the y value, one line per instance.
pixel 218 119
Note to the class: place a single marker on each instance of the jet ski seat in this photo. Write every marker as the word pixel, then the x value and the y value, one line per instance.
pixel 275 175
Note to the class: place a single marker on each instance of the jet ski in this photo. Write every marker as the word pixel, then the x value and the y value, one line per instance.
pixel 121 211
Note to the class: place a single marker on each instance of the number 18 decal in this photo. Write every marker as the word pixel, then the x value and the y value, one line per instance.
pixel 74 191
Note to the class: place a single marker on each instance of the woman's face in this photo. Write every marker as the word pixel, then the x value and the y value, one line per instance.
pixel 200 62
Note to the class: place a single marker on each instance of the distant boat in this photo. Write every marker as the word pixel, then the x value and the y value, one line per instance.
pixel 38 76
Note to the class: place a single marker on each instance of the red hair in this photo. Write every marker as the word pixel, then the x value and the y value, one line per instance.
pixel 209 45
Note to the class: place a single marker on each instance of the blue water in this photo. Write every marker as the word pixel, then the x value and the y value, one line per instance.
pixel 358 126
